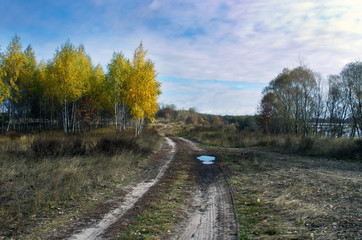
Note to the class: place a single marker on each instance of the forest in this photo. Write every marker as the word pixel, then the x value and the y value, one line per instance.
pixel 69 92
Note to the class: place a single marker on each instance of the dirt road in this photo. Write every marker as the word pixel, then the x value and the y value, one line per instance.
pixel 206 214
pixel 212 217
pixel 275 196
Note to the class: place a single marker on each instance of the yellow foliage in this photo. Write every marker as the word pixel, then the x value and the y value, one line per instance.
pixel 68 73
pixel 141 89
pixel 12 62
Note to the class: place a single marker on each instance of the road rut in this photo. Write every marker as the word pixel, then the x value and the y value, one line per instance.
pixel 212 216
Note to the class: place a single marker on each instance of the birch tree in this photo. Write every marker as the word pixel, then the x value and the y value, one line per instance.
pixel 91 102
pixel 4 88
pixel 13 60
pixel 4 91
pixel 118 72
pixel 67 73
pixel 27 89
pixel 141 90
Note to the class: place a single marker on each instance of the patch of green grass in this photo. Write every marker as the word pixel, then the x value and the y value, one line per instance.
pixel 162 212
pixel 254 217
pixel 253 214
pixel 240 163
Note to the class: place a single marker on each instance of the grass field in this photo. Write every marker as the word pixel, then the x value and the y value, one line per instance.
pixel 42 177
pixel 287 187
pixel 279 196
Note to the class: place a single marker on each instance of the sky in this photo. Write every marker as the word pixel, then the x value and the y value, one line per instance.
pixel 213 55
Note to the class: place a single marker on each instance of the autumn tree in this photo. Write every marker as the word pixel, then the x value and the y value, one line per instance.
pixel 41 101
pixel 69 91
pixel 277 104
pixel 4 91
pixel 67 75
pixel 266 113
pixel 12 60
pixel 216 122
pixel 289 101
pixel 118 71
pixel 141 89
pixel 168 112
pixel 93 99
pixel 3 87
pixel 27 89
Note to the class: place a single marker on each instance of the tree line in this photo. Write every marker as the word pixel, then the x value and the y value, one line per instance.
pixel 169 112
pixel 295 103
pixel 71 93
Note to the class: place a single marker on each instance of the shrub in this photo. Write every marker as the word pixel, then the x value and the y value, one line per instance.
pixel 48 146
pixel 113 145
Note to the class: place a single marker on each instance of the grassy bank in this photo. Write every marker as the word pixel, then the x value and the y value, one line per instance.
pixel 46 176
pixel 340 148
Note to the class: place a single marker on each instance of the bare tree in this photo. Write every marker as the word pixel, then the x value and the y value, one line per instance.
pixel 352 80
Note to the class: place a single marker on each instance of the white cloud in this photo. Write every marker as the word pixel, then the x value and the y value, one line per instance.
pixel 234 40
pixel 156 4
pixel 243 41
pixel 213 98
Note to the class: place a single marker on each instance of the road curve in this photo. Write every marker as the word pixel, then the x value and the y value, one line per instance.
pixel 94 231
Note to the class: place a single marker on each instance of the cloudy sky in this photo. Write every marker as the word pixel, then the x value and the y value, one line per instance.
pixel 214 55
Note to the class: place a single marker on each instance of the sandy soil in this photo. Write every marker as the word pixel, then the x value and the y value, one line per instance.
pixel 212 216
pixel 94 231
pixel 209 214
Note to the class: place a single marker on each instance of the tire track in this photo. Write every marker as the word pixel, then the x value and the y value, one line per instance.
pixel 213 217
pixel 130 199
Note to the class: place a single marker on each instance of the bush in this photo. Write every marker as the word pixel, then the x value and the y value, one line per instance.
pixel 113 145
pixel 305 145
pixel 107 143
pixel 58 146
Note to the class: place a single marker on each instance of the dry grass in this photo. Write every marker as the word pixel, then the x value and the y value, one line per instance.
pixel 340 148
pixel 300 198
pixel 41 174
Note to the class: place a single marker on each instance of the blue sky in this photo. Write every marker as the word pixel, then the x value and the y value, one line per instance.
pixel 214 55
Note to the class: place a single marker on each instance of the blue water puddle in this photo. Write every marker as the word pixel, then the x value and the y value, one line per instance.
pixel 207 159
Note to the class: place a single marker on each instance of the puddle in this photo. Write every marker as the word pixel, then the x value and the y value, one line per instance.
pixel 206 159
